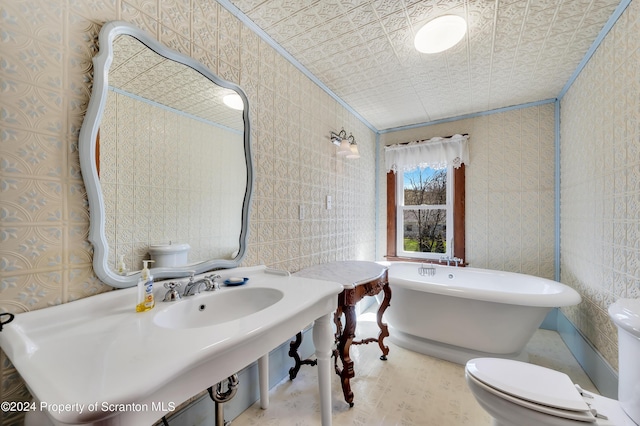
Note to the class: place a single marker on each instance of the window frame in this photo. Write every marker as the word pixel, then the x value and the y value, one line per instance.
pixel 458 200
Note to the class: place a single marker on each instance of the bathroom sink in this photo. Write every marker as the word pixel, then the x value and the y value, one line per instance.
pixel 216 308
pixel 108 365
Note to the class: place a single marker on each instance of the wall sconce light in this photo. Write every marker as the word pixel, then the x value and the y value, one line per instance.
pixel 346 144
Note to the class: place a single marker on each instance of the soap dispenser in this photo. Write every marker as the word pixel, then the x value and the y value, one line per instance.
pixel 145 289
pixel 122 267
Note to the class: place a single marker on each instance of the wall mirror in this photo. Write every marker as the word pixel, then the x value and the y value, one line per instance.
pixel 165 160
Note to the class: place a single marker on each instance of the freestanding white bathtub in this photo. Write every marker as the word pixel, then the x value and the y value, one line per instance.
pixel 461 313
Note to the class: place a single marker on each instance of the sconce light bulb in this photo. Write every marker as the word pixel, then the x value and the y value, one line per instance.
pixel 344 148
pixel 354 151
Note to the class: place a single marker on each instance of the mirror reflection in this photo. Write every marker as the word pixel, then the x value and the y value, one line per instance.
pixel 171 162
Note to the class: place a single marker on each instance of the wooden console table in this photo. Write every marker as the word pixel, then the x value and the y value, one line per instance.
pixel 358 279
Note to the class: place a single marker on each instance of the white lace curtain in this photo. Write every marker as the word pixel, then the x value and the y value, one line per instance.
pixel 436 153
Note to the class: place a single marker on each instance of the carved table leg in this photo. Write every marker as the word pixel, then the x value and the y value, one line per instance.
pixel 293 353
pixel 384 329
pixel 337 320
pixel 344 344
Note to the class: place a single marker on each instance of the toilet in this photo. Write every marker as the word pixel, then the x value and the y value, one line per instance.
pixel 169 255
pixel 516 393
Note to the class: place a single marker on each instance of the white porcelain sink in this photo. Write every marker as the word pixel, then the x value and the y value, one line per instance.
pixel 96 356
pixel 216 307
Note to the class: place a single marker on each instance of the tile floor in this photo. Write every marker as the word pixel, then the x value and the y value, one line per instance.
pixel 408 389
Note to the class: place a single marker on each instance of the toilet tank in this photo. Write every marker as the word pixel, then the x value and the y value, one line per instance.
pixel 169 255
pixel 625 313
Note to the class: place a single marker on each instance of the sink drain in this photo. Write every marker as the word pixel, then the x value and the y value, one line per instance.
pixel 202 307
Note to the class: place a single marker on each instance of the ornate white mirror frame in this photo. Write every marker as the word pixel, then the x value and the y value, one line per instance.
pixel 87 150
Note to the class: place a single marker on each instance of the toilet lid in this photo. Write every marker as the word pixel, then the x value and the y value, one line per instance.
pixel 529 382
pixel 583 416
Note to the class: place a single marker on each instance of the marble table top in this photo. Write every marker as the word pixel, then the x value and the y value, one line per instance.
pixel 349 273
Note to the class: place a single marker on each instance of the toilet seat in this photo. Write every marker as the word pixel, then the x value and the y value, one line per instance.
pixel 531 386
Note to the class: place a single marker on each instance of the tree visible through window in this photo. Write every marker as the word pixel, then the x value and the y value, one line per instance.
pixel 424 212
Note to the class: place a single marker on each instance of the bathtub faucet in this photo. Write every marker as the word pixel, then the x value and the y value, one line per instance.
pixel 448 259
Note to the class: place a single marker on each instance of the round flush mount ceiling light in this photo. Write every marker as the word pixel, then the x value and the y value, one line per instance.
pixel 233 101
pixel 440 34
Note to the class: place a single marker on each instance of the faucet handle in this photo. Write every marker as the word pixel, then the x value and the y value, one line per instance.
pixel 215 285
pixel 173 293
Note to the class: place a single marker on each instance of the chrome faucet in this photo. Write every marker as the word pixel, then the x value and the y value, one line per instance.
pixel 213 280
pixel 172 294
pixel 193 287
pixel 449 259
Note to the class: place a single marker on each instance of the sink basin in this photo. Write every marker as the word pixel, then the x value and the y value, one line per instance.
pixel 216 308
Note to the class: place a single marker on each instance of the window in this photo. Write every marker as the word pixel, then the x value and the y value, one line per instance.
pixel 424 213
pixel 425 197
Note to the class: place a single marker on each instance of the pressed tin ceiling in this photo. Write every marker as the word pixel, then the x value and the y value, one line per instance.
pixel 139 71
pixel 515 52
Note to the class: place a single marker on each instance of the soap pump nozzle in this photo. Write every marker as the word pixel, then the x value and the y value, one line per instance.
pixel 145 269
